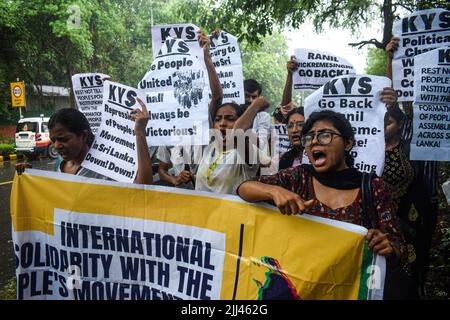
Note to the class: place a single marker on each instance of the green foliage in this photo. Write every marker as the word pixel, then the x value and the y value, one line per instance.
pixel 266 63
pixel 376 62
pixel 6 149
pixel 43 47
pixel 253 20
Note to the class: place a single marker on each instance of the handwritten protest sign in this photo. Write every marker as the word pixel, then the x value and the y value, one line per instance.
pixel 226 57
pixel 419 32
pixel 358 98
pixel 431 124
pixel 176 89
pixel 88 91
pixel 88 239
pixel 113 153
pixel 315 68
pixel 185 32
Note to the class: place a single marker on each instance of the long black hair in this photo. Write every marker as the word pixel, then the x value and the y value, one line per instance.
pixel 74 121
pixel 340 122
pixel 396 113
pixel 238 108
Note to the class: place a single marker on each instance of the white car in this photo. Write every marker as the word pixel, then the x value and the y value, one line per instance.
pixel 33 138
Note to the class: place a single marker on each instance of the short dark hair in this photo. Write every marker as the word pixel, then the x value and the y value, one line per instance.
pixel 73 120
pixel 299 110
pixel 278 115
pixel 251 85
pixel 340 122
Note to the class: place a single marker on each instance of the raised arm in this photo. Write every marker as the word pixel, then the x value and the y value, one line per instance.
pixel 287 93
pixel 245 121
pixel 216 88
pixel 390 48
pixel 144 173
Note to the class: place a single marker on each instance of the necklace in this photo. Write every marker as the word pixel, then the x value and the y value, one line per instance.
pixel 213 166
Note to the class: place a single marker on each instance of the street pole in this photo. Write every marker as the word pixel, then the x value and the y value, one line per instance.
pixel 20 108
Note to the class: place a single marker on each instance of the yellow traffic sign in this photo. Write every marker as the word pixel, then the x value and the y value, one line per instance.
pixel 18 94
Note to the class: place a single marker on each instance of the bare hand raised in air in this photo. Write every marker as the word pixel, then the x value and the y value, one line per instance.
pixel 140 117
pixel 392 46
pixel 389 96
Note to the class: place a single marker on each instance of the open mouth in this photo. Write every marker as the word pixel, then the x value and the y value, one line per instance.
pixel 295 137
pixel 319 158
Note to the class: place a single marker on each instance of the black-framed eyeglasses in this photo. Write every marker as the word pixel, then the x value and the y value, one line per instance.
pixel 298 125
pixel 323 138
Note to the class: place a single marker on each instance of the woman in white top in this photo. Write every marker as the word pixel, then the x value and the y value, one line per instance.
pixel 230 159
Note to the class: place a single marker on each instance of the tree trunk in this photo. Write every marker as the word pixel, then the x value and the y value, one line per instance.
pixel 388 16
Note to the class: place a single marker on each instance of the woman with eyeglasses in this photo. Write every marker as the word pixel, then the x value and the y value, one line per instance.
pixel 293 157
pixel 330 187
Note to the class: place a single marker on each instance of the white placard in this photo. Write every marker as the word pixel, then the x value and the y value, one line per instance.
pixel 226 56
pixel 186 32
pixel 177 90
pixel 88 91
pixel 114 152
pixel 431 123
pixel 419 32
pixel 315 68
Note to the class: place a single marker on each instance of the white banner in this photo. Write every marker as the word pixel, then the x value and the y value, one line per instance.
pixel 113 153
pixel 431 124
pixel 177 90
pixel 419 32
pixel 88 91
pixel 315 68
pixel 185 32
pixel 358 98
pixel 226 56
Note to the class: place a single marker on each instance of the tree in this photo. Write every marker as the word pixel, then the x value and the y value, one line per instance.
pixel 46 43
pixel 376 62
pixel 266 63
pixel 252 20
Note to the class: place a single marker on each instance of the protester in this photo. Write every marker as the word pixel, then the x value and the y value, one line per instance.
pixel 398 172
pixel 72 138
pixel 224 165
pixel 399 175
pixel 293 157
pixel 262 123
pixel 252 90
pixel 184 159
pixel 331 188
pixel 424 191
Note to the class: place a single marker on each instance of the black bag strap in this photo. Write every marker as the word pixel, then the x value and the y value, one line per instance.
pixel 369 213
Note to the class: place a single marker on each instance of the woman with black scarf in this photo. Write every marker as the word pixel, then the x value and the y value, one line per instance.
pixel 331 188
